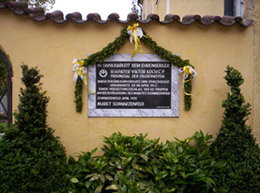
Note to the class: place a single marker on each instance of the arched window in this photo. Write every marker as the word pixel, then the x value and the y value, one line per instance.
pixel 6 75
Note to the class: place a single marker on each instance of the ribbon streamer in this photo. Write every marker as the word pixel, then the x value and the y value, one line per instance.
pixel 80 71
pixel 136 33
pixel 187 71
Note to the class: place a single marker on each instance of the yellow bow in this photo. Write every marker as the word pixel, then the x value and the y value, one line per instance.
pixel 136 34
pixel 79 68
pixel 187 71
pixel 80 71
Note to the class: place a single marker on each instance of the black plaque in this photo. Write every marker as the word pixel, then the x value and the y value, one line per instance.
pixel 133 85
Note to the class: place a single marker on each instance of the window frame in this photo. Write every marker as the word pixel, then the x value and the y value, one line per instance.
pixel 234 7
pixel 9 87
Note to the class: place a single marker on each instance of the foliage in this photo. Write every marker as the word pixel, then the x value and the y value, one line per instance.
pixel 132 164
pixel 235 142
pixel 134 8
pixel 45 4
pixel 78 95
pixel 176 61
pixel 3 116
pixel 109 50
pixel 95 58
pixel 3 127
pixel 3 77
pixel 32 159
pixel 114 46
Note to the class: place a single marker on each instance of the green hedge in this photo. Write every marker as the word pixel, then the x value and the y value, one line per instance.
pixel 132 164
pixel 235 142
pixel 31 158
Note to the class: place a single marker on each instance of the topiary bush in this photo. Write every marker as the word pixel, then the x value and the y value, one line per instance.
pixel 32 159
pixel 132 164
pixel 235 143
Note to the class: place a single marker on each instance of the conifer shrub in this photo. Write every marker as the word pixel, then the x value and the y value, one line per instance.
pixel 3 127
pixel 31 158
pixel 235 143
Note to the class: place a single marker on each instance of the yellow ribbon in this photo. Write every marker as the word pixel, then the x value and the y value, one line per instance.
pixel 187 71
pixel 135 32
pixel 80 70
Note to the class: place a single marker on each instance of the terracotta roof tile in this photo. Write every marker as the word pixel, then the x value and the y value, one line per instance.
pixel 132 17
pixel 17 7
pixel 76 17
pixel 209 19
pixel 171 18
pixel 37 14
pixel 56 16
pixel 95 17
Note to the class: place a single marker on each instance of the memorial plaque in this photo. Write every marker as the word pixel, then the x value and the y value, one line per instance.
pixel 143 86
pixel 133 85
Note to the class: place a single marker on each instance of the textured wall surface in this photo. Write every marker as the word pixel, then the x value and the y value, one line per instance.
pixel 256 81
pixel 52 47
pixel 184 7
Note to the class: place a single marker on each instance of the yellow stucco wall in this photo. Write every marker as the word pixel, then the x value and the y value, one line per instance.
pixel 183 7
pixel 256 75
pixel 52 48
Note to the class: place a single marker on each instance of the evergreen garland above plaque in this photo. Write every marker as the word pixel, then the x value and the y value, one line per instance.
pixel 184 65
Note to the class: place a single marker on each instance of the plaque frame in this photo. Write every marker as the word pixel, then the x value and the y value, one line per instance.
pixel 173 112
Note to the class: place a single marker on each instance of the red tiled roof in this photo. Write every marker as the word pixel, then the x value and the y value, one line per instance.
pixel 38 14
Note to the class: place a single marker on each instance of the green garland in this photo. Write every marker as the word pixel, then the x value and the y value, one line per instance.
pixel 176 61
pixel 187 98
pixel 114 46
pixel 78 95
pixel 109 50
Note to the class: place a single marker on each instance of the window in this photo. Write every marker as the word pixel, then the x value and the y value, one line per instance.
pixel 234 7
pixel 5 89
pixel 239 8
